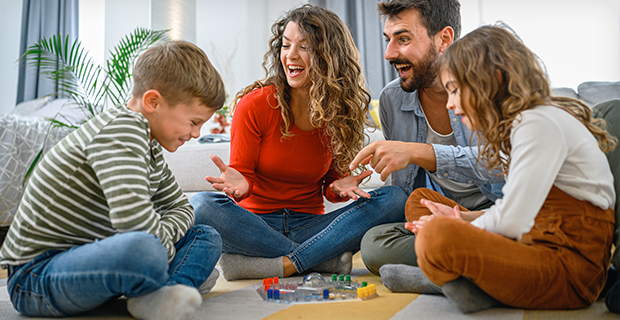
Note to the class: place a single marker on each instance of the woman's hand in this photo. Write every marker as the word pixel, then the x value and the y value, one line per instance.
pixel 231 182
pixel 349 186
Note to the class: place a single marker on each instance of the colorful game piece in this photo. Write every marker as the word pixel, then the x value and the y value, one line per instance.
pixel 315 288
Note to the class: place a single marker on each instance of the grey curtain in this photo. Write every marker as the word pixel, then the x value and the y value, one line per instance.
pixel 43 18
pixel 366 27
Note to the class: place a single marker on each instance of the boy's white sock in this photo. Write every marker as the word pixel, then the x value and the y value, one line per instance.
pixel 210 282
pixel 178 302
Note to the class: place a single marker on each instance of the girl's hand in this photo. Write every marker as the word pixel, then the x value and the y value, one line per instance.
pixel 437 210
pixel 231 182
pixel 417 225
pixel 349 186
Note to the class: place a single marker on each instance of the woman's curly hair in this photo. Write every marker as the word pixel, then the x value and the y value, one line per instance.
pixel 503 78
pixel 339 101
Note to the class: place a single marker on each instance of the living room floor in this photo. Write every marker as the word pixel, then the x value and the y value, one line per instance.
pixel 239 300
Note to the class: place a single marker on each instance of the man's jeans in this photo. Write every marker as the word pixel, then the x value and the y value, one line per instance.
pixel 307 239
pixel 61 283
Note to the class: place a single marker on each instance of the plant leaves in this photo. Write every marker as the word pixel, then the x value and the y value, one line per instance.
pixel 119 67
pixel 33 165
pixel 79 78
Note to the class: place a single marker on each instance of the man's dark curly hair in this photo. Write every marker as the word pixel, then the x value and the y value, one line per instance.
pixel 436 14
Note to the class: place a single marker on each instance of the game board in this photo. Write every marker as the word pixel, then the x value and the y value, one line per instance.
pixel 314 288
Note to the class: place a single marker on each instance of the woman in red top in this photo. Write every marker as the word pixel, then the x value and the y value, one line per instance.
pixel 292 138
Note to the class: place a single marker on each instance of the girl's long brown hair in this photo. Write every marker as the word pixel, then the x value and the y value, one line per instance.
pixel 504 78
pixel 338 98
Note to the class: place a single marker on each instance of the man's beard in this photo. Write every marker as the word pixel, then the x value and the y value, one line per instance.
pixel 423 74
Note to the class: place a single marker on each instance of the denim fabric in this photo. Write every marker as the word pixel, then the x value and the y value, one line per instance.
pixel 197 254
pixel 402 119
pixel 306 239
pixel 62 283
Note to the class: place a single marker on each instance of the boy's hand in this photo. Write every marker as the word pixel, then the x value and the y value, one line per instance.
pixel 349 186
pixel 231 182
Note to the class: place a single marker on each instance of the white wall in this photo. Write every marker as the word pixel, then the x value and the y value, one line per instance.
pixel 177 15
pixel 234 36
pixel 232 33
pixel 577 40
pixel 121 18
pixel 11 22
pixel 92 28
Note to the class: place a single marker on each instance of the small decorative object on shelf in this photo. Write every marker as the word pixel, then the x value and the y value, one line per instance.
pixel 214 138
pixel 222 117
pixel 222 121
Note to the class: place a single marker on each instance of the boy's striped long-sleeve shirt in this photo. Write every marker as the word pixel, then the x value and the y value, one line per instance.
pixel 106 177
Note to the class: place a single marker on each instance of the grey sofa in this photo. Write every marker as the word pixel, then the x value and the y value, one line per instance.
pixel 591 92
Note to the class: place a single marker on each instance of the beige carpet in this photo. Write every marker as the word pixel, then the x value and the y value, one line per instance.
pixel 238 300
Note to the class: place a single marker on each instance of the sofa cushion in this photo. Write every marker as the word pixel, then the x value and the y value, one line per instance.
pixel 593 92
pixel 25 108
pixel 63 110
pixel 191 163
pixel 564 92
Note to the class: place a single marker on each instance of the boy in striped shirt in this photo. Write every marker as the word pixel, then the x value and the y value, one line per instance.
pixel 102 215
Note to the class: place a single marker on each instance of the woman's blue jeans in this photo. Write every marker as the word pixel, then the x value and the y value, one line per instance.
pixel 307 239
pixel 62 283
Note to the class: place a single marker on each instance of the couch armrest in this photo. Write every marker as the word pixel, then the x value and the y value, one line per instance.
pixel 191 163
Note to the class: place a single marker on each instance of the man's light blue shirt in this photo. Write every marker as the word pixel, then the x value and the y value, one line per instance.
pixel 402 119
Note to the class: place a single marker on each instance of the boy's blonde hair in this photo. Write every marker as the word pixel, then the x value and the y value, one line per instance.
pixel 180 71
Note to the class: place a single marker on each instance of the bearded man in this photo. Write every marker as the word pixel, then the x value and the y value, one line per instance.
pixel 426 145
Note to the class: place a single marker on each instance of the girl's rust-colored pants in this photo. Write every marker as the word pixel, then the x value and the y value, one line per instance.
pixel 560 264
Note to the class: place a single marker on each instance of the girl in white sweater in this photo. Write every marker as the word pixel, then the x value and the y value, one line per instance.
pixel 546 244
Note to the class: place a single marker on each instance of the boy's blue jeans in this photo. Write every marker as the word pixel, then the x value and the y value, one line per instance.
pixel 62 283
pixel 307 239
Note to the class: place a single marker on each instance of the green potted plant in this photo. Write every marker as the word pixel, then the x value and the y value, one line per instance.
pixel 90 86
